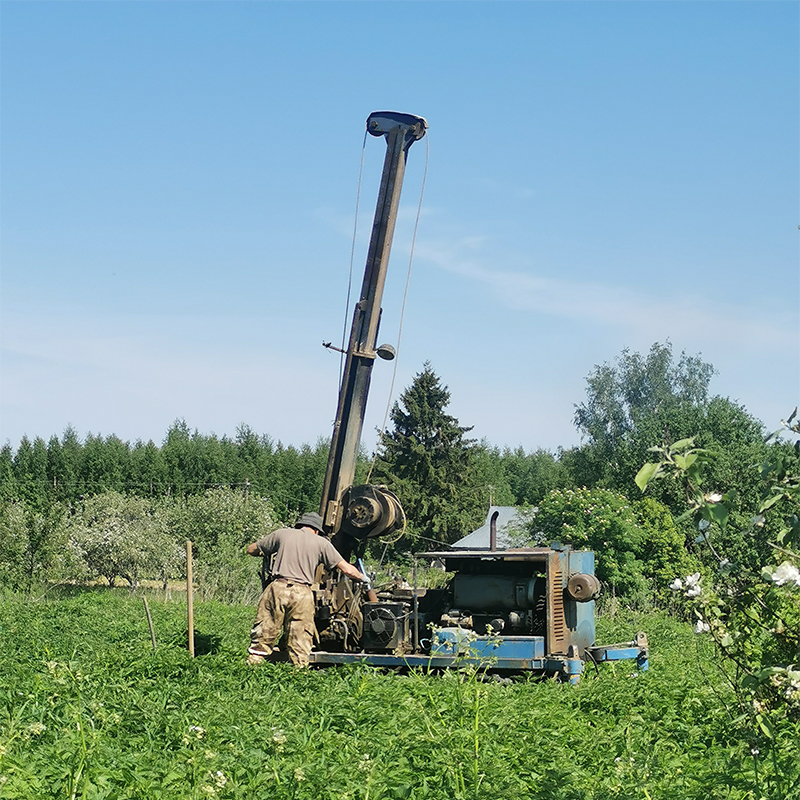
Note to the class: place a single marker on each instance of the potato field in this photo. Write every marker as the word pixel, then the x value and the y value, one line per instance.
pixel 89 710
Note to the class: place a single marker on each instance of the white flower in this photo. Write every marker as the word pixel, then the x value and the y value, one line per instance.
pixel 278 736
pixel 198 732
pixel 219 778
pixel 299 775
pixel 786 573
pixel 702 626
pixel 676 585
pixel 713 497
pixel 693 588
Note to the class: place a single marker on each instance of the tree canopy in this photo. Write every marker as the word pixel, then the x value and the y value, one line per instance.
pixel 643 401
pixel 428 461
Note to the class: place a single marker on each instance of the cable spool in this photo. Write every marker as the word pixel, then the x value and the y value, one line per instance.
pixel 370 511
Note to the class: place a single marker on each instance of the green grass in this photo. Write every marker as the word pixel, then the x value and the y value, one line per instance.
pixel 87 710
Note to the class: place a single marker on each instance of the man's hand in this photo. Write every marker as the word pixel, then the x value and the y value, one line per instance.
pixel 252 549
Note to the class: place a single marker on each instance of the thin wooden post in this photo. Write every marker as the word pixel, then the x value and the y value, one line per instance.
pixel 149 622
pixel 190 597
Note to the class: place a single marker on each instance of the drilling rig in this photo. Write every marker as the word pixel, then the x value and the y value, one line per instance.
pixel 524 609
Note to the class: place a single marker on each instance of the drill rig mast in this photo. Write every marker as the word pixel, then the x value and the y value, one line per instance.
pixel 353 514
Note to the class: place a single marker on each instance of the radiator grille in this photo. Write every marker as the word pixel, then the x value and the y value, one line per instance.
pixel 557 625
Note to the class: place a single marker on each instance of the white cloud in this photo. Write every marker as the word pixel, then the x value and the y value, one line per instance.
pixel 641 314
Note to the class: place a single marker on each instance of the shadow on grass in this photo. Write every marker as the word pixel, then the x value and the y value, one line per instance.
pixel 205 644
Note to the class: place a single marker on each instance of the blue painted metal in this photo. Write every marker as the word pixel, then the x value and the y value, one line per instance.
pixel 457 641
pixel 570 668
pixel 504 582
pixel 637 649
pixel 580 616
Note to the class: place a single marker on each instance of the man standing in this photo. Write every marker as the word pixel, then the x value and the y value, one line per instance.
pixel 288 602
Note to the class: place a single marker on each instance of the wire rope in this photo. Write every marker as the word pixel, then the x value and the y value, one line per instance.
pixel 352 259
pixel 382 431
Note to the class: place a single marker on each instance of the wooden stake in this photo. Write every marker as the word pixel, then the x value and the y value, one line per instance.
pixel 149 622
pixel 190 597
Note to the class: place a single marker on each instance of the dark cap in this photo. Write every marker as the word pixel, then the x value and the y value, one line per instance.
pixel 310 520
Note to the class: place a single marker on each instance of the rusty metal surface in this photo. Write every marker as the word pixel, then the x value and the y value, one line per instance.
pixel 558 639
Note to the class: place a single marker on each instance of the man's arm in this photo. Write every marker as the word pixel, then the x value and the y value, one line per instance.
pixel 351 571
pixel 264 547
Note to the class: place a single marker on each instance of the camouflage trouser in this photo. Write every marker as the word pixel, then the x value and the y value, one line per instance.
pixel 288 607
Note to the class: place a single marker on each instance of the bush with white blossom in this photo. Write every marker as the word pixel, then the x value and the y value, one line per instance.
pixel 752 616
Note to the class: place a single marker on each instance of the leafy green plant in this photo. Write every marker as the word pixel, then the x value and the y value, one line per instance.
pixel 634 543
pixel 752 616
pixel 164 726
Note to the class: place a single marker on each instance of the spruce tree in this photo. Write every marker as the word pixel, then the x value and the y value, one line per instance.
pixel 429 463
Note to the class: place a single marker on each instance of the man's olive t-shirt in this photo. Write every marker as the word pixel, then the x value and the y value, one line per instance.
pixel 298 553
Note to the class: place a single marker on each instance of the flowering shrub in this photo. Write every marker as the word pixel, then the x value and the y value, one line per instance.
pixel 752 616
pixel 32 545
pixel 636 545
pixel 221 523
pixel 119 536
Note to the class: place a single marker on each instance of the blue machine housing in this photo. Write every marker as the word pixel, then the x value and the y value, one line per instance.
pixel 515 610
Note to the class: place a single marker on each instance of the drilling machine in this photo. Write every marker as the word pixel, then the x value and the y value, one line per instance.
pixel 525 609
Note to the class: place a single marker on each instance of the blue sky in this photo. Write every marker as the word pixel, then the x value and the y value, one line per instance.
pixel 179 182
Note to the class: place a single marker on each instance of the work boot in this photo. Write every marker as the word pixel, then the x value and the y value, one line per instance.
pixel 255 657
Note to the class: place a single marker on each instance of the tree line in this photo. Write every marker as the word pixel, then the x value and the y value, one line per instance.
pixel 445 480
pixel 187 463
pixel 67 469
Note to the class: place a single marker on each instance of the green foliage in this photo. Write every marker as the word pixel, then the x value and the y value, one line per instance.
pixel 642 402
pixel 638 388
pixel 514 477
pixel 427 461
pixel 636 545
pixel 94 713
pixel 33 546
pixel 221 523
pixel 66 470
pixel 753 616
pixel 119 536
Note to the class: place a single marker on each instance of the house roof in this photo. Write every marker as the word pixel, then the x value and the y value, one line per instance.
pixel 509 521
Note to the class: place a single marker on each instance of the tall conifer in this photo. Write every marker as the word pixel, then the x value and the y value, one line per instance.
pixel 429 463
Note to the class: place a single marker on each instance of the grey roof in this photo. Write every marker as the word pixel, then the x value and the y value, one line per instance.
pixel 510 520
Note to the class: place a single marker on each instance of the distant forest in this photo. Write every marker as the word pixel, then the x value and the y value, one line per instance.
pixel 67 469
pixel 633 404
